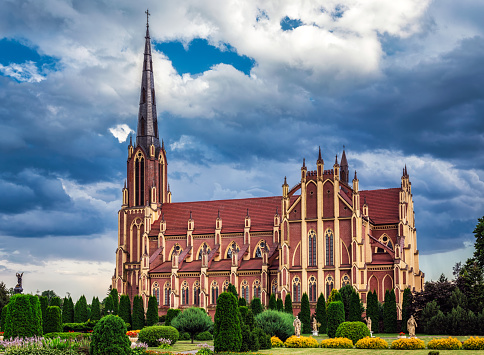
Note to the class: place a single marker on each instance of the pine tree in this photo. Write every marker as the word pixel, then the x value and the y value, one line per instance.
pixel 390 312
pixel 95 309
pixel 288 304
pixel 242 302
pixel 44 303
pixel 406 301
pixel 68 311
pixel 53 320
pixel 55 301
pixel 272 302
pixel 256 306
pixel 334 296
pixel 372 311
pixel 125 309
pixel 336 316
pixel 227 332
pixel 355 308
pixel 108 305
pixel 305 314
pixel 280 305
pixel 233 290
pixel 346 292
pixel 114 294
pixel 80 310
pixel 138 313
pixel 321 315
pixel 152 312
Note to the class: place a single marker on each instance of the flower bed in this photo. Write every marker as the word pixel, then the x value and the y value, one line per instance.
pixel 301 342
pixel 371 343
pixel 339 343
pixel 276 342
pixel 407 344
pixel 474 344
pixel 445 344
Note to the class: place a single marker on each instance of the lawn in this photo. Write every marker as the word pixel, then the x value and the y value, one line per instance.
pixel 184 345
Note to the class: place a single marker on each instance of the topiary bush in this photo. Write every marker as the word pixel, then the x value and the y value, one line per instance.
pixel 301 342
pixel 193 321
pixel 336 316
pixel 334 296
pixel 305 314
pixel 408 344
pixel 36 314
pixel 338 343
pixel 390 312
pixel 204 336
pixel 109 337
pixel 276 323
pixel 321 315
pixel 445 344
pixel 80 310
pixel 474 344
pixel 272 302
pixel 3 317
pixel 242 302
pixel 23 317
pixel 138 317
pixel 371 343
pixel 95 309
pixel 256 306
pixel 53 320
pixel 352 330
pixel 227 333
pixel 288 304
pixel 152 312
pixel 150 335
pixel 279 305
pixel 170 314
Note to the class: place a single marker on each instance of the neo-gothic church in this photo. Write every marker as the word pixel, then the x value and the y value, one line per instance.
pixel 321 234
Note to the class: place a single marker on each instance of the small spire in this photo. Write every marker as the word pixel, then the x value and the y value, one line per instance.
pixel 247 213
pixel 168 187
pixel 124 183
pixel 162 144
pixel 406 174
pixel 336 160
pixel 285 180
pixel 319 156
pixel 277 209
pixel 344 162
pixel 304 162
pixel 365 200
pixel 130 140
pixel 218 214
pixel 356 178
pixel 190 214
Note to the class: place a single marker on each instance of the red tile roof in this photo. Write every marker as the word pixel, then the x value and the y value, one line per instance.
pixel 251 264
pixel 382 205
pixel 222 265
pixel 232 213
pixel 165 267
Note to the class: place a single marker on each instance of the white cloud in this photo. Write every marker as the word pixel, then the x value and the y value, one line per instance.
pixel 433 265
pixel 121 132
pixel 25 72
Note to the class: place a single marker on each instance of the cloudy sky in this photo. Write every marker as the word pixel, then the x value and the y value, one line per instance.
pixel 245 91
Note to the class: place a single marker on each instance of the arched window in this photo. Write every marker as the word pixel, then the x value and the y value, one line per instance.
pixel 139 179
pixel 262 245
pixel 185 293
pixel 214 292
pixel 329 286
pixel 155 291
pixel 167 293
pixel 196 293
pixel 256 285
pixel 329 247
pixel 244 288
pixel 384 239
pixel 345 280
pixel 176 249
pixel 233 247
pixel 274 286
pixel 312 248
pixel 225 286
pixel 296 289
pixel 207 248
pixel 312 289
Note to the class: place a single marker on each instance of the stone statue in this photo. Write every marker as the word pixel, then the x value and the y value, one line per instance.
pixel 315 325
pixel 297 326
pixel 18 288
pixel 368 323
pixel 411 325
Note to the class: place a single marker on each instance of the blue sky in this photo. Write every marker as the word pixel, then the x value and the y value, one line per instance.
pixel 245 91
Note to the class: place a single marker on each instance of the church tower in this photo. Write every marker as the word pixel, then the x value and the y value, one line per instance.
pixel 144 192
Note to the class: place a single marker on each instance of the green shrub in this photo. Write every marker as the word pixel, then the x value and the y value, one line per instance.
pixel 170 314
pixel 263 338
pixel 193 321
pixel 80 310
pixel 138 317
pixel 246 316
pixel 279 305
pixel 249 340
pixel 408 344
pixel 227 332
pixel 184 336
pixel 276 323
pixel 3 317
pixel 79 327
pixel 256 306
pixel 434 352
pixel 109 305
pixel 305 314
pixel 390 312
pixel 44 303
pixel 232 290
pixel 150 335
pixel 406 302
pixel 55 301
pixel 352 330
pixel 152 312
pixel 242 302
pixel 346 292
pixel 336 316
pixel 68 311
pixel 321 315
pixel 204 336
pixel 109 337
pixel 36 314
pixel 114 294
pixel 288 304
pixel 356 308
pixel 474 343
pixel 334 296
pixel 272 302
pixel 125 309
pixel 53 320
pixel 95 309
pixel 23 317
pixel 372 311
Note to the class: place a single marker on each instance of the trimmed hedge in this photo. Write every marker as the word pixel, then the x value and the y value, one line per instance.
pixel 204 336
pixel 53 320
pixel 152 312
pixel 276 323
pixel 279 305
pixel 337 343
pixel 23 317
pixel 150 335
pixel 352 330
pixel 109 337
pixel 79 327
pixel 227 332
pixel 170 314
pixel 80 310
pixel 336 316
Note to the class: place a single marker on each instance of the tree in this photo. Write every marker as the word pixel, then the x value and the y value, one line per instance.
pixel 152 311
pixel 390 312
pixel 44 303
pixel 256 306
pixel 109 305
pixel 55 301
pixel 430 310
pixel 23 317
pixel 355 307
pixel 406 301
pixel 242 302
pixel 68 311
pixel 272 302
pixel 288 304
pixel 279 305
pixel 53 320
pixel 192 321
pixel 233 290
pixel 372 311
pixel 125 309
pixel 115 296
pixel 321 315
pixel 479 244
pixel 4 296
pixel 227 332
pixel 49 294
pixel 305 314
pixel 95 309
pixel 80 310
pixel 109 337
pixel 138 313
pixel 336 316
pixel 334 296
pixel 346 292
pixel 471 283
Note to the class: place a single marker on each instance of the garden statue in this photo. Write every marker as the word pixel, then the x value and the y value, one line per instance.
pixel 411 325
pixel 315 325
pixel 368 323
pixel 297 326
pixel 18 288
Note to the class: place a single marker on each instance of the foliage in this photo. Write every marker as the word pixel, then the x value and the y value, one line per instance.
pixel 407 344
pixel 44 303
pixel 276 342
pixel 390 312
pixel 371 343
pixel 256 306
pixel 3 318
pixel 336 316
pixel 321 315
pixel 125 308
pixel 356 307
pixel 36 314
pixel 433 352
pixel 471 283
pixel 67 335
pixel 55 301
pixel 305 314
pixel 445 344
pixel 288 304
pixel 430 310
pixel 109 305
pixel 4 296
pixel 460 322
pixel 372 311
pixel 242 302
pixel 247 317
pixel 301 342
pixel 276 323
pixel 23 317
pixel 184 336
pixel 39 351
pixel 95 309
pixel 227 332
pixel 170 314
pixel 150 335
pixel 138 317
pixel 79 327
pixel 406 302
pixel 109 337
pixel 272 302
pixel 204 336
pixel 352 330
pixel 193 321
pixel 479 244
pixel 232 290
pixel 339 343
pixel 279 305
pixel 68 310
pixel 114 294
pixel 152 312
pixel 474 343
pixel 346 292
pixel 437 324
pixel 80 310
pixel 53 320
pixel 264 339
pixel 49 294
pixel 334 296
pixel 204 350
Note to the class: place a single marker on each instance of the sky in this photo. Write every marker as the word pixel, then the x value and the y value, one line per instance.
pixel 245 91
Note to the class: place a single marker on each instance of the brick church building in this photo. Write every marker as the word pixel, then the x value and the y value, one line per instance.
pixel 321 234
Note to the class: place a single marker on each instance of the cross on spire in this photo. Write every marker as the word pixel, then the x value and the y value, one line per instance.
pixel 147 12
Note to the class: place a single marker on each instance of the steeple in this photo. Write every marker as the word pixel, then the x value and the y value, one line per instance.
pixel 345 172
pixel 147 132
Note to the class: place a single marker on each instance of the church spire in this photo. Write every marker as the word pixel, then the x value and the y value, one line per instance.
pixel 147 132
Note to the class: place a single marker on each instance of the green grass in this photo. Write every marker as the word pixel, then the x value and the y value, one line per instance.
pixel 184 345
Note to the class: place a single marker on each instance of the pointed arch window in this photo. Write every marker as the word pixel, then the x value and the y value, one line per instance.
pixel 214 292
pixel 204 245
pixel 256 285
pixel 274 286
pixel 196 293
pixel 176 249
pixel 329 247
pixel 345 280
pixel 384 239
pixel 312 248
pixel 139 179
pixel 167 290
pixel 245 290
pixel 185 293
pixel 225 286
pixel 233 248
pixel 296 289
pixel 312 289
pixel 155 291
pixel 329 285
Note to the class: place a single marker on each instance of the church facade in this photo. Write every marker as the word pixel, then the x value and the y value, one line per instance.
pixel 320 234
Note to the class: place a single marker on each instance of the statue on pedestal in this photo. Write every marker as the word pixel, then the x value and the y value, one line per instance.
pixel 297 326
pixel 18 288
pixel 411 325
pixel 315 326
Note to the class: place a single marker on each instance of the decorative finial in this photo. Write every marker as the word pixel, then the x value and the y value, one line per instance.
pixel 285 180
pixel 319 157
pixel 147 12
pixel 365 200
pixel 168 187
pixel 336 161
pixel 124 183
pixel 356 178
pixel 218 214
pixel 304 162
pixel 247 213
pixel 190 214
pixel 277 209
pixel 406 174
pixel 162 144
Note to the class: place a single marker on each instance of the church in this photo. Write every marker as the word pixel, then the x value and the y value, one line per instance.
pixel 322 233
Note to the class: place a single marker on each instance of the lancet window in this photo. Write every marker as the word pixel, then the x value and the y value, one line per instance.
pixel 257 288
pixel 245 290
pixel 185 293
pixel 155 291
pixel 167 290
pixel 232 248
pixel 274 286
pixel 329 285
pixel 214 292
pixel 139 179
pixel 204 245
pixel 312 248
pixel 384 239
pixel 329 247
pixel 176 249
pixel 312 289
pixel 196 293
pixel 225 286
pixel 296 289
pixel 345 280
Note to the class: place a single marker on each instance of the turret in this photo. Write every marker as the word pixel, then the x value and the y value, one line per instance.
pixel 304 171
pixel 320 165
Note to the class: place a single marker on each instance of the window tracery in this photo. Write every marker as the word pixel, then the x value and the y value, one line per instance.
pixel 345 280
pixel 167 290
pixel 245 290
pixel 312 289
pixel 329 285
pixel 233 247
pixel 296 289
pixel 256 285
pixel 185 293
pixel 312 248
pixel 215 292
pixel 155 291
pixel 207 249
pixel 329 247
pixel 196 293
